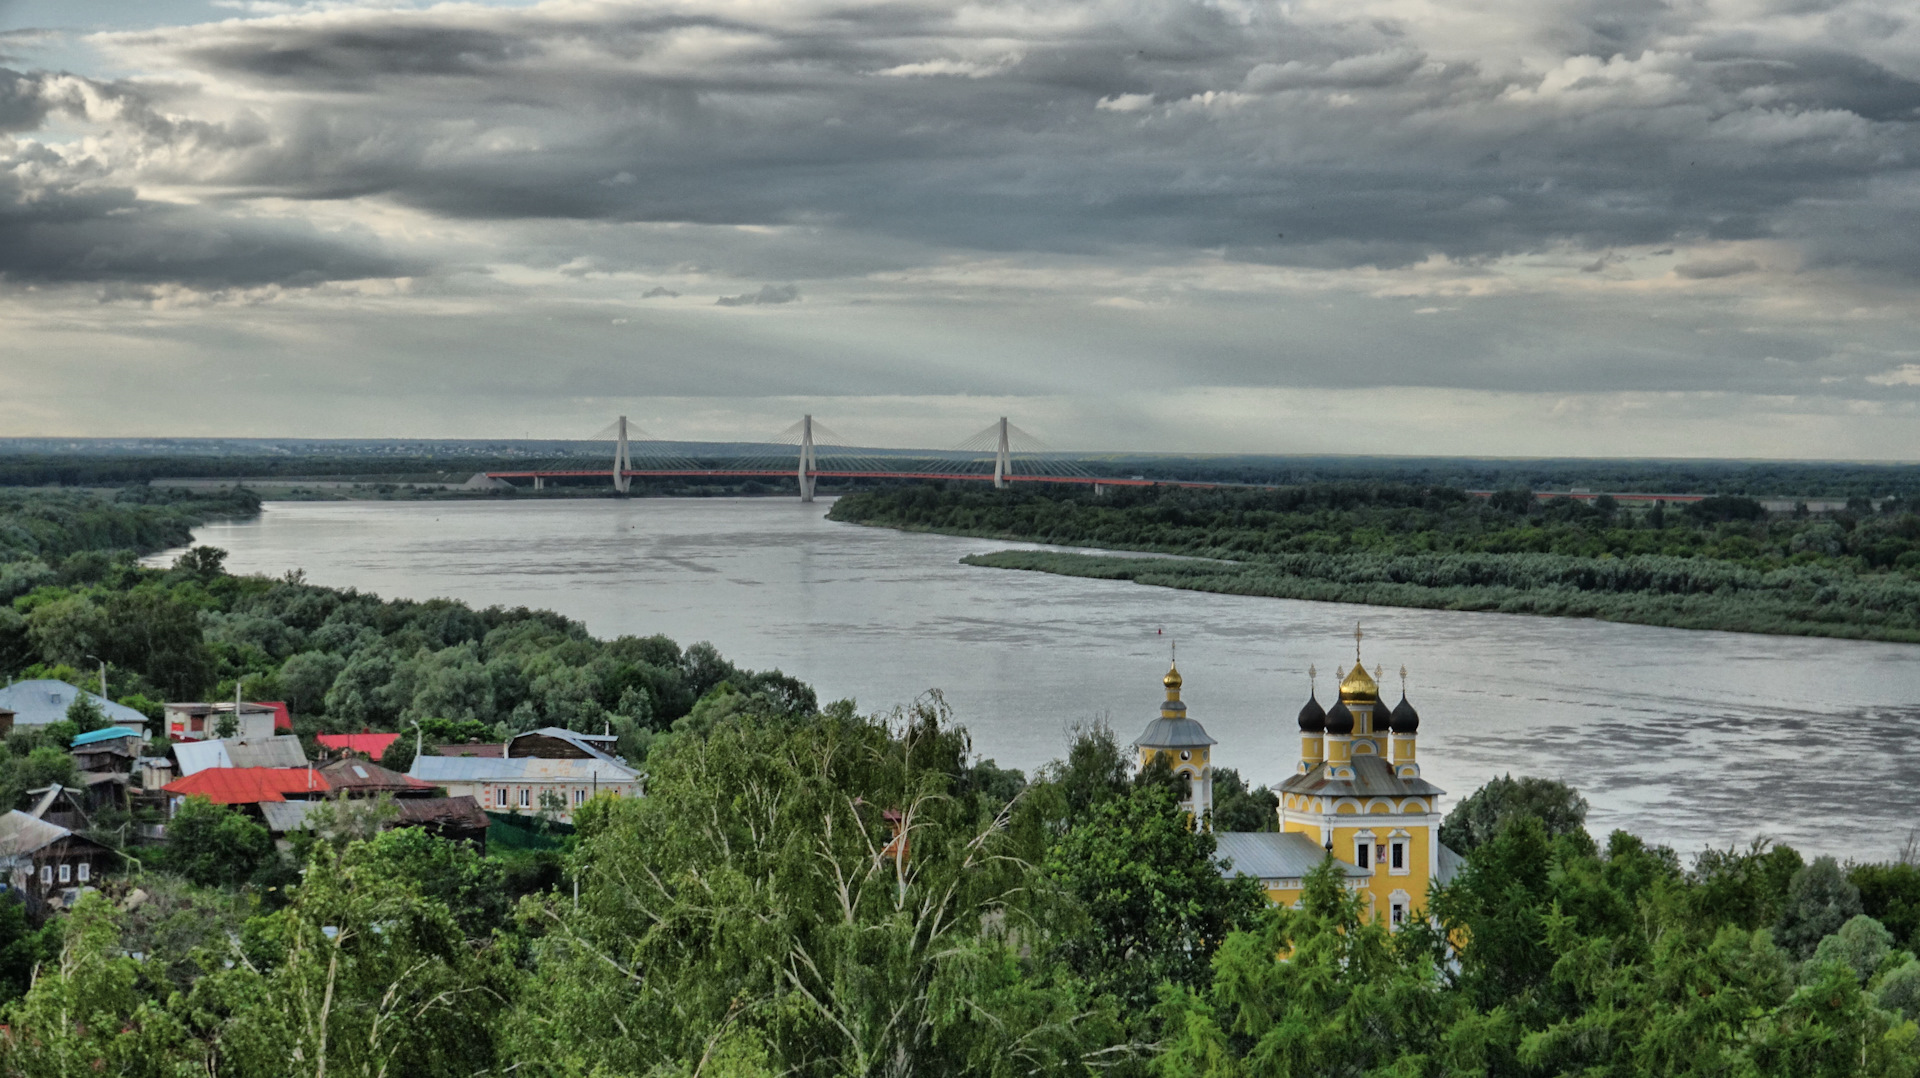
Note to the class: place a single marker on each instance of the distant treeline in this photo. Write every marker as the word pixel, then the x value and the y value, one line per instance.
pixel 47 526
pixel 34 465
pixel 1723 563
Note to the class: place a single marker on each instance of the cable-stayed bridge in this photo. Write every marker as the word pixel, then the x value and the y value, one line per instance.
pixel 808 452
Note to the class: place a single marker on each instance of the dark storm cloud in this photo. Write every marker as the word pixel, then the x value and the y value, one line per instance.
pixel 1283 139
pixel 67 218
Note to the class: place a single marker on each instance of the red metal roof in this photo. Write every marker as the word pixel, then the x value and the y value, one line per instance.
pixel 248 785
pixel 374 745
pixel 282 715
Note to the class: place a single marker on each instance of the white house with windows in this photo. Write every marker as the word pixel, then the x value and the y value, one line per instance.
pixel 527 784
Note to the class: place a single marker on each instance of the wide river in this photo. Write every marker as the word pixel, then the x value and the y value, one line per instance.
pixel 1688 738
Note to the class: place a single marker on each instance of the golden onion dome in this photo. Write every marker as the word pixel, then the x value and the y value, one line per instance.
pixel 1359 686
pixel 1172 680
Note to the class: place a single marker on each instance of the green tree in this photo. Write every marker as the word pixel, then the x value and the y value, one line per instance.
pixel 306 677
pixel 361 974
pixel 1155 902
pixel 85 714
pixel 1890 894
pixel 810 893
pixel 67 630
pixel 1317 990
pixel 1860 945
pixel 1478 818
pixel 1819 901
pixel 87 1015
pixel 1237 808
pixel 213 845
pixel 202 561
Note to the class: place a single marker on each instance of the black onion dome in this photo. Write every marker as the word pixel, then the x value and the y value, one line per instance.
pixel 1313 717
pixel 1340 720
pixel 1405 719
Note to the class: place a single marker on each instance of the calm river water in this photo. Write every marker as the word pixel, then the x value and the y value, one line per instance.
pixel 1688 738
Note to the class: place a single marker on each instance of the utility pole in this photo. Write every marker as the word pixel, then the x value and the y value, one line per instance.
pixel 622 463
pixel 1002 459
pixel 807 462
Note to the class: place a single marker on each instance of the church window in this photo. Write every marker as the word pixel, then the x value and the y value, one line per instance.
pixel 1185 754
pixel 1399 914
pixel 1399 856
pixel 1360 852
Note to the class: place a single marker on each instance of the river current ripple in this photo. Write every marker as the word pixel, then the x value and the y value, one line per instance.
pixel 1687 738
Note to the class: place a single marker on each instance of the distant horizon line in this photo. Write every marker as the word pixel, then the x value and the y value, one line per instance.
pixel 79 445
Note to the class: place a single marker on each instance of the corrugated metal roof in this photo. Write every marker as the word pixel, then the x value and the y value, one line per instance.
pixel 282 750
pixel 283 816
pixel 1273 855
pixel 440 769
pixel 111 733
pixel 198 756
pixel 22 834
pixel 248 785
pixel 1165 733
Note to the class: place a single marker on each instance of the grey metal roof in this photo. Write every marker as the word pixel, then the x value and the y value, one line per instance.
pixel 283 816
pixel 1165 733
pixel 1273 855
pixel 440 769
pixel 1372 777
pixel 1449 866
pixel 22 834
pixel 282 750
pixel 44 700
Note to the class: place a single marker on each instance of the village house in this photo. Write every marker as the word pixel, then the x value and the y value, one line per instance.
pixel 199 722
pixel 112 749
pixel 44 701
pixel 546 770
pixel 246 787
pixel 47 864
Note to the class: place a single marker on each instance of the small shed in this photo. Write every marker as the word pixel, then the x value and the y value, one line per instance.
pixel 47 864
pixel 112 749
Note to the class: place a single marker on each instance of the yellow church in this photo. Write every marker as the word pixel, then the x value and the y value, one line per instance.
pixel 1356 796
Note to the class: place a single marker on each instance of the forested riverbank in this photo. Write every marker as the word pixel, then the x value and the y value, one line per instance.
pixel 805 890
pixel 1723 563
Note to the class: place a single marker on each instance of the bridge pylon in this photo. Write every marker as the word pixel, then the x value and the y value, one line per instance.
pixel 622 461
pixel 808 463
pixel 1002 459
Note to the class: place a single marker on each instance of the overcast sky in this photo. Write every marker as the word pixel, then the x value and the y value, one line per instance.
pixel 1528 227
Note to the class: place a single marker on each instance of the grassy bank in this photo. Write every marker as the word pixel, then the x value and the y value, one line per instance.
pixel 1724 564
